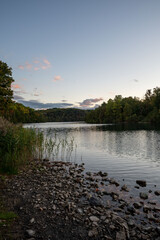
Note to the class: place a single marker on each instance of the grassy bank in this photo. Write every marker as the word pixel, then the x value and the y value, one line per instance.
pixel 17 146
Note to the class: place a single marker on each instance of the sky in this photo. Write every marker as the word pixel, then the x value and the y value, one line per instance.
pixel 80 53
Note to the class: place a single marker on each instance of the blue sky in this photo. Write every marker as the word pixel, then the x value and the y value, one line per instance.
pixel 79 53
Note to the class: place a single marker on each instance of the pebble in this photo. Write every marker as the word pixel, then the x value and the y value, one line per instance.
pixel 94 218
pixel 61 199
pixel 30 232
pixel 143 195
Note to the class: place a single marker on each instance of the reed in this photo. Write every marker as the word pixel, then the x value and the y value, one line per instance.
pixel 58 148
pixel 18 146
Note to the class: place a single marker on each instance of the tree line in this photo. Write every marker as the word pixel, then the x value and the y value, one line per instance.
pixel 119 109
pixel 16 112
pixel 128 109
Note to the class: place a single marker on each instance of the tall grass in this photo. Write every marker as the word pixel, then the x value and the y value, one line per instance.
pixel 17 146
pixel 57 147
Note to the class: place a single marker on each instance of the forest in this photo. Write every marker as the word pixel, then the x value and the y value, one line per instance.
pixel 119 109
pixel 129 109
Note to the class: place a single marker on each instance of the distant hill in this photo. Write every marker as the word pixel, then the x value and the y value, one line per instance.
pixel 63 114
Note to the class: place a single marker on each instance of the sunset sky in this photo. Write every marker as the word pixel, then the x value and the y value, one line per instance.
pixel 79 53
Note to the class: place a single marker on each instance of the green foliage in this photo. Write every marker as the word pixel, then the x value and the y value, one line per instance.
pixel 6 80
pixel 17 146
pixel 128 109
pixel 7 215
pixel 63 114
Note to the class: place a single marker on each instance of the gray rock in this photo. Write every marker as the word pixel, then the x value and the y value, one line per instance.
pixel 146 208
pixel 143 195
pixel 32 220
pixel 30 232
pixel 141 183
pixel 125 188
pixel 94 218
pixel 93 232
pixel 131 209
pixel 95 201
pixel 157 192
pixel 113 181
pixel 137 205
pixel 121 235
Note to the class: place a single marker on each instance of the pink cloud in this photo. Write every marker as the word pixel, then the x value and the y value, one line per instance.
pixel 36 65
pixel 16 86
pixel 21 67
pixel 44 67
pixel 36 68
pixel 28 65
pixel 57 78
pixel 46 62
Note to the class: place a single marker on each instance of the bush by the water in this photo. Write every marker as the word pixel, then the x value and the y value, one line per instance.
pixel 17 146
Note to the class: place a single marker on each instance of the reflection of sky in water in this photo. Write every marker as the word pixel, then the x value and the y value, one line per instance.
pixel 129 154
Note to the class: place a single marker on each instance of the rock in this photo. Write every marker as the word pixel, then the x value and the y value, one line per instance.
pixel 95 201
pixel 125 188
pixel 157 192
pixel 30 232
pixel 150 216
pixel 141 183
pixel 121 235
pixel 93 232
pixel 131 209
pixel 146 209
pixel 113 181
pixel 143 195
pixel 131 223
pixel 79 210
pixel 152 202
pixel 137 205
pixel 32 220
pixel 158 229
pixel 94 218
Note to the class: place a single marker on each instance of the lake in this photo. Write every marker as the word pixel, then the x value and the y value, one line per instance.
pixel 125 152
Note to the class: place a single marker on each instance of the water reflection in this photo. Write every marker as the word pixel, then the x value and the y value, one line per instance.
pixel 124 151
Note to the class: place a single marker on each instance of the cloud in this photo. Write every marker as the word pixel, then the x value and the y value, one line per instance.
pixel 57 78
pixel 36 65
pixel 44 67
pixel 64 100
pixel 87 103
pixel 28 66
pixel 36 68
pixel 16 86
pixel 17 97
pixel 46 62
pixel 21 67
pixel 39 105
pixel 135 80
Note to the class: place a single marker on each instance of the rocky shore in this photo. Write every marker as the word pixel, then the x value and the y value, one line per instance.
pixel 59 201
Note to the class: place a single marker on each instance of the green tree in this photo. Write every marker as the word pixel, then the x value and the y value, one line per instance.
pixel 6 92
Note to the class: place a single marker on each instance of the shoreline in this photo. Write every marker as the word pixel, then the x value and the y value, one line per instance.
pixel 58 201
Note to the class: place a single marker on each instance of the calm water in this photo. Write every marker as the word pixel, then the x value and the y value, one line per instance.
pixel 127 153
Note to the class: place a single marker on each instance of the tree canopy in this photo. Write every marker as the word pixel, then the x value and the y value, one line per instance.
pixel 6 80
pixel 128 109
